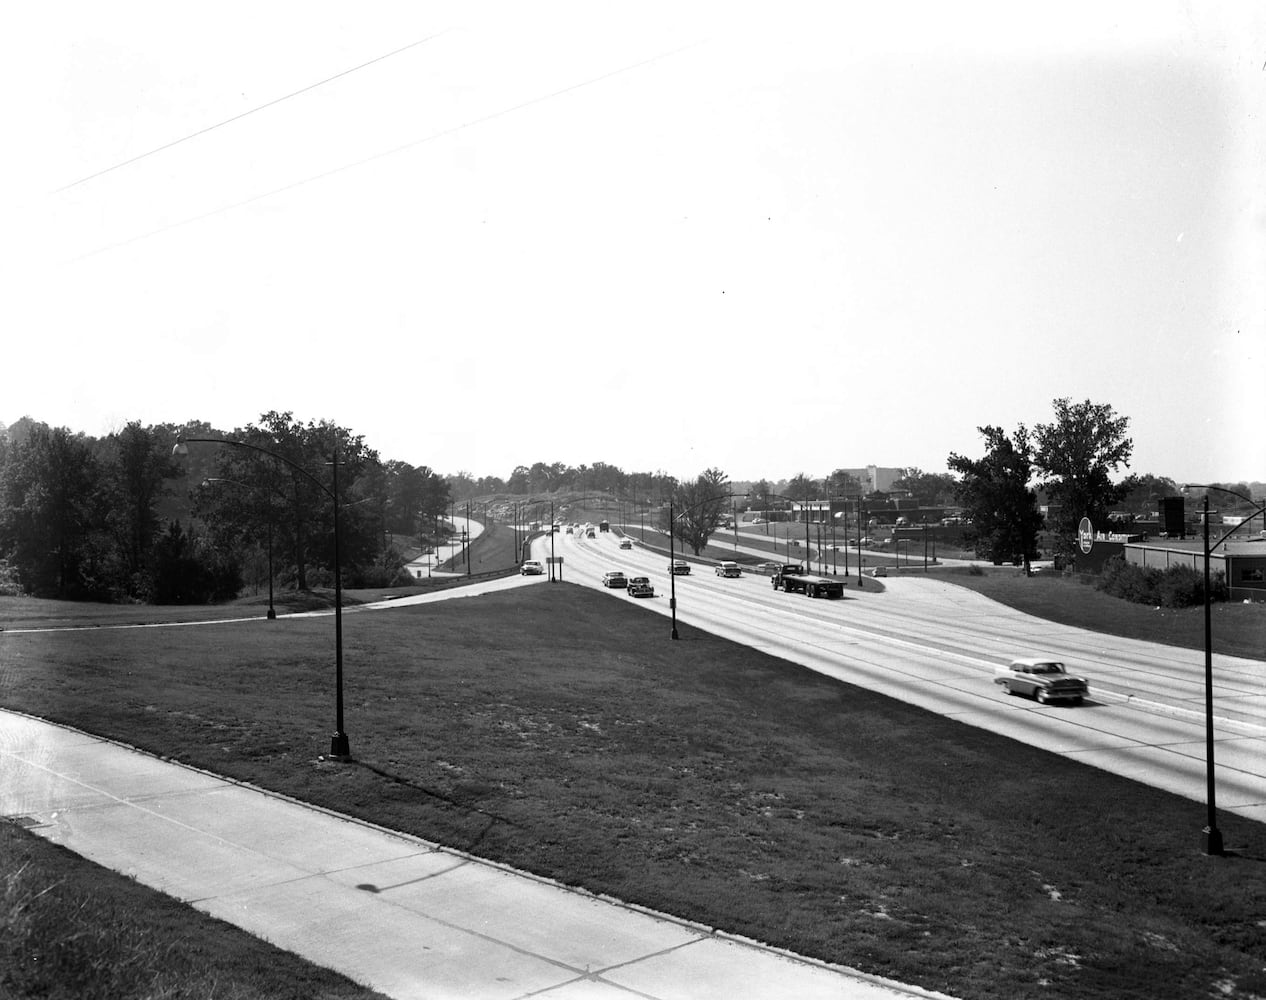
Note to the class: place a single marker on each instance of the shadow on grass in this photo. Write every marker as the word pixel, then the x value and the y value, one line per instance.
pixel 461 804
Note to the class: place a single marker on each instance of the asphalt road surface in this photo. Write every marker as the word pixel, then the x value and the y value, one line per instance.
pixel 936 645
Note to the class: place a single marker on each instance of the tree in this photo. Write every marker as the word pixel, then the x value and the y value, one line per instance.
pixel 932 488
pixel 520 480
pixel 418 497
pixel 136 464
pixel 301 487
pixel 802 487
pixel 842 483
pixel 186 572
pixel 995 492
pixel 47 511
pixel 1147 490
pixel 1076 455
pixel 699 508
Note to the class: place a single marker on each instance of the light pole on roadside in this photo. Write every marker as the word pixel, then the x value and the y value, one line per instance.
pixel 1211 836
pixel 672 555
pixel 552 561
pixel 340 746
pixel 860 578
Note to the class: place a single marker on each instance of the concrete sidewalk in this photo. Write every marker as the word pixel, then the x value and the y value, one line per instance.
pixel 393 912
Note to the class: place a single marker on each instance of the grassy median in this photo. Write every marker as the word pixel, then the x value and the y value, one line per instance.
pixel 557 729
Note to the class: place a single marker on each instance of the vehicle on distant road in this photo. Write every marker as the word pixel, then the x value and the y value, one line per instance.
pixel 626 543
pixel 614 579
pixel 792 579
pixel 590 534
pixel 604 525
pixel 1045 680
pixel 640 586
pixel 768 568
pixel 725 568
pixel 531 567
pixel 679 567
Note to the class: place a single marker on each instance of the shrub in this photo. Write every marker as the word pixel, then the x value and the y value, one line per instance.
pixel 1175 587
pixel 1130 581
pixel 1181 587
pixel 10 586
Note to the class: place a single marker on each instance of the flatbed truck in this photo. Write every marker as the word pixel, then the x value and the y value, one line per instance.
pixel 792 579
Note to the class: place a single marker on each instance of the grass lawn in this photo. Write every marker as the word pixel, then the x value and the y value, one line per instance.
pixel 555 729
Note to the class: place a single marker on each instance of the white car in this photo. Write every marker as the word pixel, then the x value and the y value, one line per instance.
pixel 1042 679
pixel 531 567
pixel 728 569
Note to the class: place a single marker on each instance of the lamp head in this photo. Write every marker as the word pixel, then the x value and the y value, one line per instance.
pixel 180 450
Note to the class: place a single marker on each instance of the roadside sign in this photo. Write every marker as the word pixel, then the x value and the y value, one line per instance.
pixel 554 559
pixel 1086 535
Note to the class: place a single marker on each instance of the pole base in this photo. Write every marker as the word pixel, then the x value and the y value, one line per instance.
pixel 272 615
pixel 340 747
pixel 1211 840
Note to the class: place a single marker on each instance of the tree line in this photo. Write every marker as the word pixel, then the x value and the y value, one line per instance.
pixel 121 518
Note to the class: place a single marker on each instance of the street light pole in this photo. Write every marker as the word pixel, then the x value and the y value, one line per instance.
pixel 672 552
pixel 1212 835
pixel 672 569
pixel 340 748
pixel 859 541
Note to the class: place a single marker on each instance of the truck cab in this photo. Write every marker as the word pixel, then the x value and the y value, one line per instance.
pixel 786 569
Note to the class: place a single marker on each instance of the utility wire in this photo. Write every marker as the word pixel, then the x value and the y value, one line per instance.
pixel 244 114
pixel 385 153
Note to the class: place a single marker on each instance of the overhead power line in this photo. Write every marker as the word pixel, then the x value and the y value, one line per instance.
pixel 244 114
pixel 385 153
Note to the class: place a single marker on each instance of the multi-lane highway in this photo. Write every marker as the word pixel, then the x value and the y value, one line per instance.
pixel 936 645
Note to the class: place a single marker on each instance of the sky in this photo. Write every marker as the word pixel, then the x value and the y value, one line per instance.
pixel 769 239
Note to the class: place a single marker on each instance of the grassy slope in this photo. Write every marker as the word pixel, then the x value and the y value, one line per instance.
pixel 555 729
pixel 1237 629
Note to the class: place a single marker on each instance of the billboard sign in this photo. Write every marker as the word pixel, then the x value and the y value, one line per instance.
pixel 1086 535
